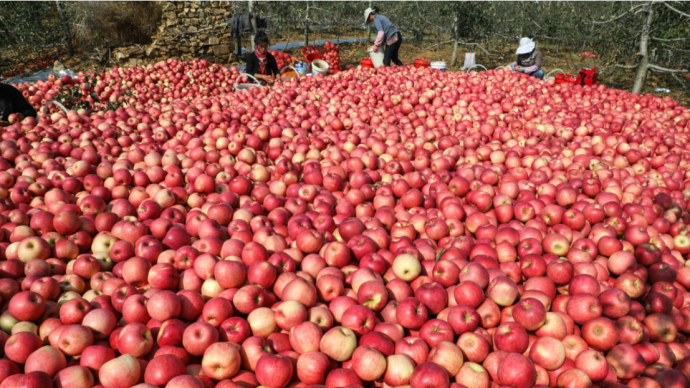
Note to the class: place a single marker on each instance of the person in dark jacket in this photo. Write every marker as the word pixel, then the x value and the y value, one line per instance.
pixel 12 101
pixel 385 31
pixel 261 64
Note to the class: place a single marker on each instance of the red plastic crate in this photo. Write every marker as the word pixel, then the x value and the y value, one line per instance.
pixel 565 78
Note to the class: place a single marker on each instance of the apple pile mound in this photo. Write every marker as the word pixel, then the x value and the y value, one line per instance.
pixel 396 227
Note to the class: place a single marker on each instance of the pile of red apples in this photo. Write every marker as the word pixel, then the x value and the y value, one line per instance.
pixel 397 227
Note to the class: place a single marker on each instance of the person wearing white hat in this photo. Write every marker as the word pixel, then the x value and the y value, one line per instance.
pixel 528 59
pixel 385 31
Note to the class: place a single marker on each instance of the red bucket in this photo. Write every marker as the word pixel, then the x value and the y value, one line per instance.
pixel 367 62
pixel 421 62
pixel 311 57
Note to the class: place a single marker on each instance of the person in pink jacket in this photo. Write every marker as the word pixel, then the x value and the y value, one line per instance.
pixel 387 32
pixel 529 59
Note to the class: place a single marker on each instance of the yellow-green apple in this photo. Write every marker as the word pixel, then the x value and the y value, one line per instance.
pixel 262 322
pixel 406 267
pixel 339 343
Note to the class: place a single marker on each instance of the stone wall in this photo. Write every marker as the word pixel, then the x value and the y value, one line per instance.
pixel 188 30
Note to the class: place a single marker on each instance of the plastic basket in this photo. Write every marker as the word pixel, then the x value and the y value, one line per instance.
pixel 45 109
pixel 239 86
pixel 368 63
pixel 289 74
pixel 421 62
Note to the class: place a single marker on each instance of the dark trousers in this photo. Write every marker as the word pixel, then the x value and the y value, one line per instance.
pixel 391 53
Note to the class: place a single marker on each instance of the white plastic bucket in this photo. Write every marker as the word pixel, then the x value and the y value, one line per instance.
pixel 440 65
pixel 302 67
pixel 319 66
pixel 377 57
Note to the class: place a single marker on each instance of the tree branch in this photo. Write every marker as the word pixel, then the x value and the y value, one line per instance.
pixel 615 66
pixel 674 48
pixel 462 43
pixel 675 76
pixel 619 16
pixel 438 44
pixel 669 40
pixel 665 70
pixel 675 10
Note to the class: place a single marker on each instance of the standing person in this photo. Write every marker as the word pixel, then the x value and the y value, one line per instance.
pixel 12 101
pixel 262 64
pixel 528 59
pixel 387 32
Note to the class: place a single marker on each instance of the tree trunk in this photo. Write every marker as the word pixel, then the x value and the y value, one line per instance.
pixel 65 28
pixel 306 27
pixel 643 64
pixel 252 18
pixel 369 28
pixel 455 33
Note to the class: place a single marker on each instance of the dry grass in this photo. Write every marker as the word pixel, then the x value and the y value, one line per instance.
pixel 115 23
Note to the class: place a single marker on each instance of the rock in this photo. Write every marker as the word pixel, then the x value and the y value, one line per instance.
pixel 221 49
pixel 58 67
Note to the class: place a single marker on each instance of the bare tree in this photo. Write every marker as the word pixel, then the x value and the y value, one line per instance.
pixel 456 33
pixel 643 64
pixel 369 28
pixel 252 19
pixel 306 25
pixel 65 27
